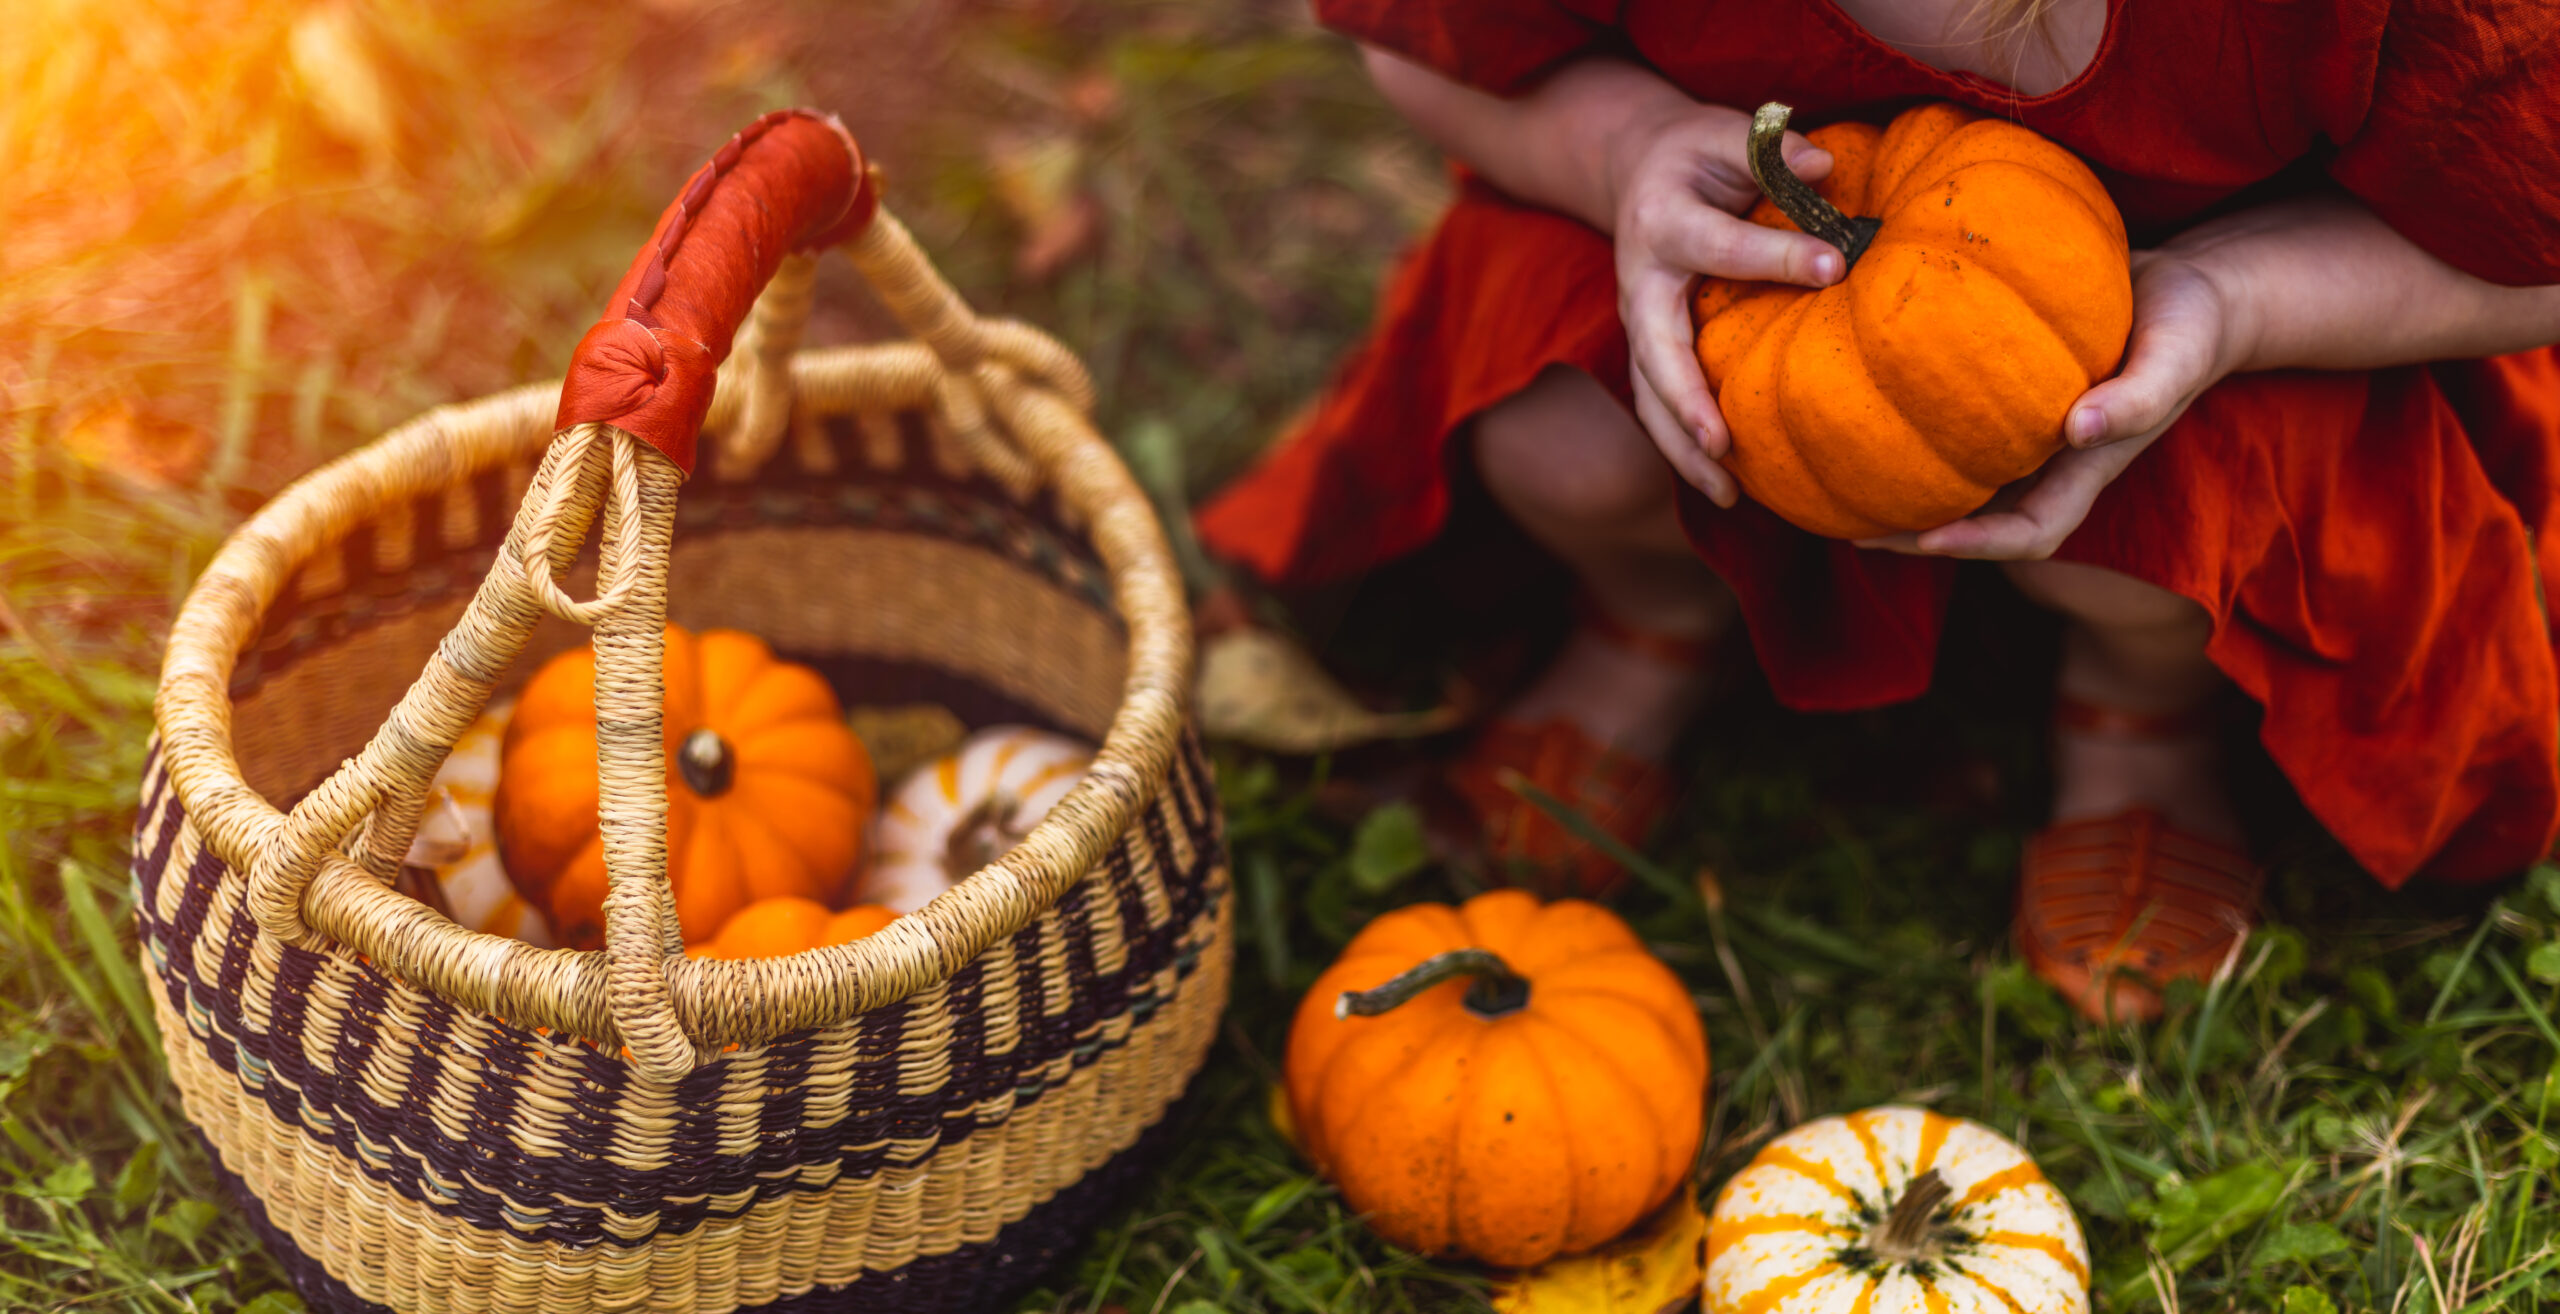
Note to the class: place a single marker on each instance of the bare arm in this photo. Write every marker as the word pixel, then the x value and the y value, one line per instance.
pixel 2322 283
pixel 1551 147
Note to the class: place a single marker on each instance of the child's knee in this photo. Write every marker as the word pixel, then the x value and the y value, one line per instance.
pixel 1564 450
pixel 2102 597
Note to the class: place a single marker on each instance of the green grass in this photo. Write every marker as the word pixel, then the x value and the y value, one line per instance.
pixel 2360 1115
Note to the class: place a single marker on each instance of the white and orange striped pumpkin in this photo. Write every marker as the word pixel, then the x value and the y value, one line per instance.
pixel 456 849
pixel 963 811
pixel 1894 1210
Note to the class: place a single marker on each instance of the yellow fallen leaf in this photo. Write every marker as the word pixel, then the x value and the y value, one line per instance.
pixel 1282 1120
pixel 1656 1268
pixel 1039 178
pixel 1259 688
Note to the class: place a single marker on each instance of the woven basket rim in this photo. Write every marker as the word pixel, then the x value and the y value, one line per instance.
pixel 718 1002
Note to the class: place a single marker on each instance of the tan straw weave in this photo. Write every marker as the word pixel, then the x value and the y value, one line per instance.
pixel 422 1117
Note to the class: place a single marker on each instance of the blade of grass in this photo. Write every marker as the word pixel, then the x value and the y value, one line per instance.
pixel 108 957
pixel 2462 961
pixel 2524 998
pixel 1583 828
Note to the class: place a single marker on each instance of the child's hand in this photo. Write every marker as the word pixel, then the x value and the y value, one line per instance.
pixel 2185 340
pixel 1678 190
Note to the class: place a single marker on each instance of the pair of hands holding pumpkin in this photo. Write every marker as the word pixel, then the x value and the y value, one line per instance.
pixel 1679 192
pixel 2317 283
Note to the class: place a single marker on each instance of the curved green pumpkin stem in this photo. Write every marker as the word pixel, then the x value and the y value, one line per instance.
pixel 1908 1236
pixel 1794 197
pixel 1496 990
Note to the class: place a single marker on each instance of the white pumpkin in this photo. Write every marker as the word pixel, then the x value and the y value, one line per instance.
pixel 1894 1210
pixel 457 839
pixel 963 811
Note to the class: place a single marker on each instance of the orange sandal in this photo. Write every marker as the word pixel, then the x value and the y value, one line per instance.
pixel 2109 908
pixel 1624 795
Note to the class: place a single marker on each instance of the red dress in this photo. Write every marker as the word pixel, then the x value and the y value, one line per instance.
pixel 2370 545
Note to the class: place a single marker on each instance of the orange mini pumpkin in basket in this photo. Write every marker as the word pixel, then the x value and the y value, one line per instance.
pixel 1989 286
pixel 767 791
pixel 788 924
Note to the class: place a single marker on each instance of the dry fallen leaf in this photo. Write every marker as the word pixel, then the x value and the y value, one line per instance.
pixel 1039 178
pixel 1655 1269
pixel 1259 688
pixel 904 737
pixel 1276 1104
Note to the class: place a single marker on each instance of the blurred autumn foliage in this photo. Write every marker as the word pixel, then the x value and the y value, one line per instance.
pixel 244 234
pixel 236 228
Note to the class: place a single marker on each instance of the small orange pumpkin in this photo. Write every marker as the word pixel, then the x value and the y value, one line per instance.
pixel 767 791
pixel 1988 289
pixel 1507 1079
pixel 788 924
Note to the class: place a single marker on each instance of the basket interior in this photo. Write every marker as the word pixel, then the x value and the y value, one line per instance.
pixel 868 554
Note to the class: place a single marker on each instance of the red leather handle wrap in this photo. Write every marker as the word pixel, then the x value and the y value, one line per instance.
pixel 793 180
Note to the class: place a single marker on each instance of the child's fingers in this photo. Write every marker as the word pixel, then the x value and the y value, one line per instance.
pixel 2035 525
pixel 1716 243
pixel 1686 456
pixel 2175 354
pixel 1728 182
pixel 1808 161
pixel 2033 529
pixel 1670 390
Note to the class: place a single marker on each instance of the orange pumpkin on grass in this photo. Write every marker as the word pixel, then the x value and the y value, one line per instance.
pixel 767 791
pixel 1989 286
pixel 788 924
pixel 1507 1079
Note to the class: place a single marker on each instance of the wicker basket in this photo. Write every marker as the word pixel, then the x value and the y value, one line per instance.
pixel 421 1117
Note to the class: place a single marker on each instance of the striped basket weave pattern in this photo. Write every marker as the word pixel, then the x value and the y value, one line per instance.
pixel 418 1117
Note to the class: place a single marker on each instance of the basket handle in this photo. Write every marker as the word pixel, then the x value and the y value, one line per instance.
pixel 639 386
pixel 793 180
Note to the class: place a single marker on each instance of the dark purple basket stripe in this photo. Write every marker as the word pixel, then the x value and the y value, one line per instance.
pixel 973 1278
pixel 405 1149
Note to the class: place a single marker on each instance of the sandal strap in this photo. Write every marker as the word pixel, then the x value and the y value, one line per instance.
pixel 2134 887
pixel 1680 650
pixel 1621 793
pixel 2071 712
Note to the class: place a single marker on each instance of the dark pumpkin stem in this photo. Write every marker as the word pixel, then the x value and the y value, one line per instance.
pixel 706 763
pixel 1907 1229
pixel 1791 194
pixel 1496 990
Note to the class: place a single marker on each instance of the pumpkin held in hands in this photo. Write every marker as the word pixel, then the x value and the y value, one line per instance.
pixel 767 791
pixel 1507 1079
pixel 1989 286
pixel 788 924
pixel 1894 1211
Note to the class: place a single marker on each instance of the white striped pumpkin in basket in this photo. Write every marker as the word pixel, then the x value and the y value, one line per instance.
pixel 1894 1210
pixel 965 810
pixel 453 864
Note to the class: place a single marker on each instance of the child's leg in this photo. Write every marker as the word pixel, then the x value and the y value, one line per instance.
pixel 2142 877
pixel 1574 470
pixel 2138 648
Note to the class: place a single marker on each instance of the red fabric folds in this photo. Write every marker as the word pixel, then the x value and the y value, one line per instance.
pixel 2370 545
pixel 792 180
